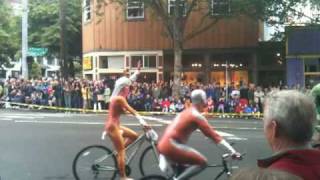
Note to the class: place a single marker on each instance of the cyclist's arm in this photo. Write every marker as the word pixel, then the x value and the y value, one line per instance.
pixel 127 107
pixel 134 76
pixel 209 131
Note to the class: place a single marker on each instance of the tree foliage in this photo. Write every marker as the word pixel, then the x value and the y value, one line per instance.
pixel 44 27
pixel 9 34
pixel 35 70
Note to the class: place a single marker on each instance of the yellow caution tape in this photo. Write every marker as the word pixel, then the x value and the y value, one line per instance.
pixel 220 115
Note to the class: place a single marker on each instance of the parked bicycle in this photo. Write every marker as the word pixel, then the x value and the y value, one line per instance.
pixel 99 162
pixel 176 169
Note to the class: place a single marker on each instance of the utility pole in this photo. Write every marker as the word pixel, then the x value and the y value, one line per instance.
pixel 63 61
pixel 227 80
pixel 24 63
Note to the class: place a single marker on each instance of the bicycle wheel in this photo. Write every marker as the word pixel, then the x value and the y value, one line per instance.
pixel 94 162
pixel 149 162
pixel 154 177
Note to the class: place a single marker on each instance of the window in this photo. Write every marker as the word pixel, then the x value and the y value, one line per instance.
pixel 86 10
pixel 135 60
pixel 220 7
pixel 172 4
pixel 103 62
pixel 113 62
pixel 135 9
pixel 150 61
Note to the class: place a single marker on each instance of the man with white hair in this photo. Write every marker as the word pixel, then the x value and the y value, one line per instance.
pixel 121 136
pixel 173 143
pixel 289 119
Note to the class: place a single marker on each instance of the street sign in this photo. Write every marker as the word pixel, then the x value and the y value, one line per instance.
pixel 37 51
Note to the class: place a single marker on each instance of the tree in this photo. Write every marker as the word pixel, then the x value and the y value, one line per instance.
pixel 35 70
pixel 44 17
pixel 175 21
pixel 9 35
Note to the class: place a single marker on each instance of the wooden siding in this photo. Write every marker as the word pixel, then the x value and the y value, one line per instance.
pixel 115 33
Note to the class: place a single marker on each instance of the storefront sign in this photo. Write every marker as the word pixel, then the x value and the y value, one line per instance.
pixel 87 63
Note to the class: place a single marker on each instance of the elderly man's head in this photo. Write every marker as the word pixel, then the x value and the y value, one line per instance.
pixel 289 118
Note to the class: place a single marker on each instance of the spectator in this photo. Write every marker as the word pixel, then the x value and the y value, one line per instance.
pixel 165 105
pixel 172 107
pixel 210 105
pixel 179 106
pixel 86 93
pixel 76 95
pixel 221 105
pixel 259 97
pixel 95 94
pixel 251 93
pixel 187 103
pixel 156 106
pixel 148 103
pixel 67 88
pixel 107 95
pixel 1 89
pixel 288 129
pixel 155 91
pixel 58 93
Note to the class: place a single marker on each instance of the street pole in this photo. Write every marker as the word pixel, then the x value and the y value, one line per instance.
pixel 24 64
pixel 226 80
pixel 62 19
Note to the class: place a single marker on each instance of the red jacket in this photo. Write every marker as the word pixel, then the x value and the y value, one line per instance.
pixel 304 163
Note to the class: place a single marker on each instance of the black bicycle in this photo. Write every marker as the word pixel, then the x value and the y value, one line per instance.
pixel 176 170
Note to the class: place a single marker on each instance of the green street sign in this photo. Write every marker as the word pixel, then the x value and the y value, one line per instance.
pixel 37 51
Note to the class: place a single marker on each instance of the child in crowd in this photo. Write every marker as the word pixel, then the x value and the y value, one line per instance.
pixel 179 106
pixel 210 105
pixel 221 105
pixel 172 107
pixel 165 105
pixel 156 106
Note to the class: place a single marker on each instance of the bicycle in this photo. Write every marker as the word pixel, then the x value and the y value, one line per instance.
pixel 178 169
pixel 100 162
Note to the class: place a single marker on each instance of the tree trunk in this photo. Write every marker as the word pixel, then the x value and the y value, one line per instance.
pixel 63 60
pixel 177 70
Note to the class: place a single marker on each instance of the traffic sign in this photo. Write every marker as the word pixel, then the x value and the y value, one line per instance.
pixel 37 51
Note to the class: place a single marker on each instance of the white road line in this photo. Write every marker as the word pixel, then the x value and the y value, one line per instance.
pixel 58 122
pixel 77 123
pixel 224 134
pixel 5 119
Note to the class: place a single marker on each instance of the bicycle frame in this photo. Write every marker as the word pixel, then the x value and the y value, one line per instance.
pixel 137 144
pixel 224 166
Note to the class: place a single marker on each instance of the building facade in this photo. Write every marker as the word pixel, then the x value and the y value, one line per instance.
pixel 115 41
pixel 303 55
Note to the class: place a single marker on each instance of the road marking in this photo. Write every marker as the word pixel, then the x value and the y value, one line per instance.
pixel 78 123
pixel 58 122
pixel 225 134
pixel 5 119
pixel 235 138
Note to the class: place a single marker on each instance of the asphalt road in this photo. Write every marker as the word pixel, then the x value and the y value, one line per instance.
pixel 42 145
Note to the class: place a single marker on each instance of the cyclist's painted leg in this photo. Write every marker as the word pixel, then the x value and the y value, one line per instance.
pixel 129 135
pixel 118 143
pixel 188 155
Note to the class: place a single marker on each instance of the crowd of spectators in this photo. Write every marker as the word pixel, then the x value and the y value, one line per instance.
pixel 85 94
